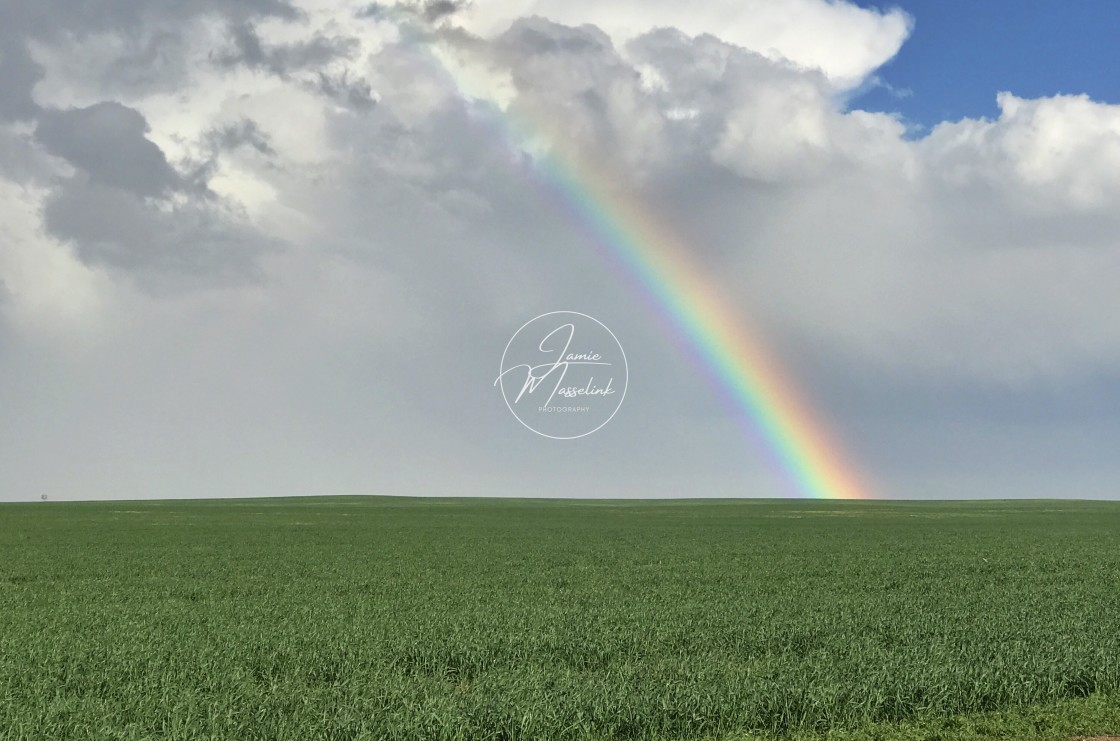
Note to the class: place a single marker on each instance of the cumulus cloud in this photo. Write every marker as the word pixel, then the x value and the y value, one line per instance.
pixel 575 79
pixel 124 45
pixel 166 243
pixel 842 41
pixel 1055 154
pixel 126 207
pixel 108 141
pixel 117 198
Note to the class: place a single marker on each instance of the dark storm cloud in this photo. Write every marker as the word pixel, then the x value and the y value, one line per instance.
pixel 196 239
pixel 48 18
pixel 282 59
pixel 18 75
pixel 353 93
pixel 431 11
pixel 107 141
pixel 155 55
pixel 285 60
pixel 531 37
pixel 126 207
pixel 576 78
pixel 244 133
pixel 373 10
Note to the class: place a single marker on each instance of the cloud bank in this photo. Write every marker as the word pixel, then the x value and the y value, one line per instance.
pixel 271 248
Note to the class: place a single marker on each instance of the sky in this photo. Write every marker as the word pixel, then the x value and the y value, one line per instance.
pixel 960 52
pixel 279 247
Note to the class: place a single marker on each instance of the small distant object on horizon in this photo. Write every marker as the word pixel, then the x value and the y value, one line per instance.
pixel 43 497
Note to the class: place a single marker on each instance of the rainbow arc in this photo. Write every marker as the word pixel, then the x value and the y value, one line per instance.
pixel 689 301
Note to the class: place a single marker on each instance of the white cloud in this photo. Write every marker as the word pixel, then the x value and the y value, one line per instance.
pixel 1052 153
pixel 843 41
pixel 983 256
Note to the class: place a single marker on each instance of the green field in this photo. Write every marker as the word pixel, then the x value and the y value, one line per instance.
pixel 371 618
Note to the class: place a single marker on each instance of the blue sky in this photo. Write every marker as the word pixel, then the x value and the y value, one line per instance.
pixel 962 52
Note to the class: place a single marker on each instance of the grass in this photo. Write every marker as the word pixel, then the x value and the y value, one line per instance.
pixel 384 618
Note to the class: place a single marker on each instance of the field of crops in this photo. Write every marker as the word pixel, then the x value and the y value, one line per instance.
pixel 350 618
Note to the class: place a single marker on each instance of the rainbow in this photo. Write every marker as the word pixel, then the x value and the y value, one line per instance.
pixel 731 353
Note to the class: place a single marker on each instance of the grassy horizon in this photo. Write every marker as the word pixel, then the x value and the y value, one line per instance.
pixel 399 617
